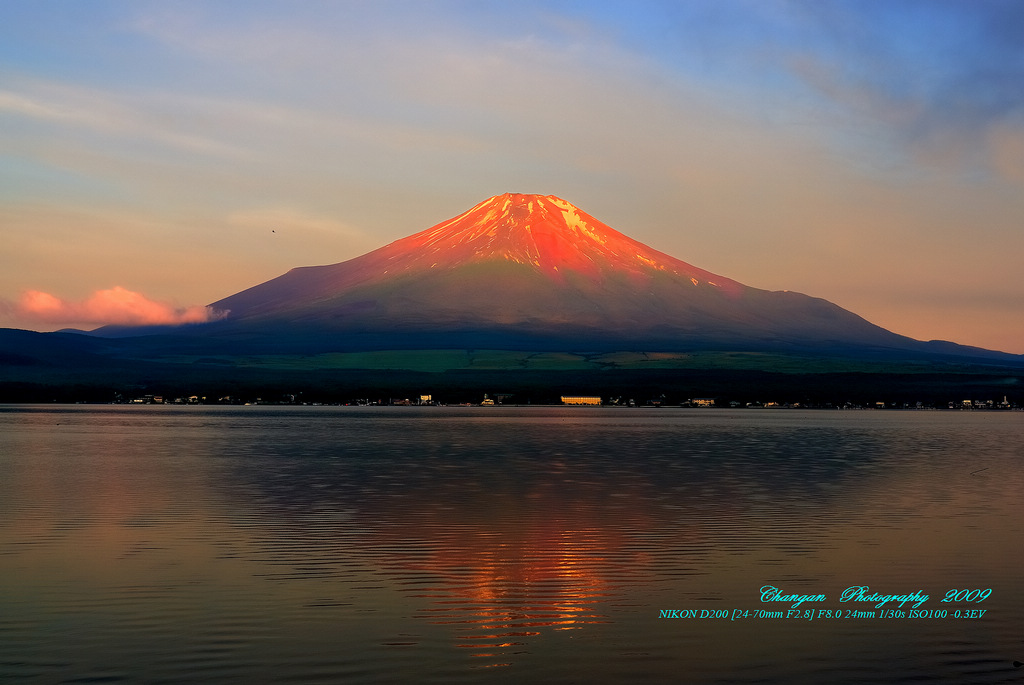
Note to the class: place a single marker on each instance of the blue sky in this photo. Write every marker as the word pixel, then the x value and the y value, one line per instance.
pixel 868 152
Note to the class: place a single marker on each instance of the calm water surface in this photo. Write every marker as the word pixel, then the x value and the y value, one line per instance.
pixel 366 545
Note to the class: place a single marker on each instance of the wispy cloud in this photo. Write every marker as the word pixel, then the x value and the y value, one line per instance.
pixel 117 306
pixel 931 82
pixel 138 116
pixel 291 220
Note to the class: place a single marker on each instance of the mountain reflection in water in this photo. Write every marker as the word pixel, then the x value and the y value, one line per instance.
pixel 426 544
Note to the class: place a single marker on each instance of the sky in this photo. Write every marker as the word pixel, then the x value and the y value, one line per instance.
pixel 156 157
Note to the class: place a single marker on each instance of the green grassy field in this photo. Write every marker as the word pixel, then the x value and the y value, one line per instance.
pixel 438 361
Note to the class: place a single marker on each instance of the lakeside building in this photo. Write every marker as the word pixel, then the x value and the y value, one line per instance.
pixel 581 400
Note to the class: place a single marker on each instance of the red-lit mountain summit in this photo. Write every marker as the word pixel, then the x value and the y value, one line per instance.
pixel 530 269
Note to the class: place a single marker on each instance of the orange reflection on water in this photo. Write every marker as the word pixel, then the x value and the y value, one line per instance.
pixel 517 589
pixel 541 560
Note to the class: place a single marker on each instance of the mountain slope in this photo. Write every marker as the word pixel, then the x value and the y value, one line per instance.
pixel 531 266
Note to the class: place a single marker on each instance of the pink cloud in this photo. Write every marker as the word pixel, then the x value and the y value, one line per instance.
pixel 117 306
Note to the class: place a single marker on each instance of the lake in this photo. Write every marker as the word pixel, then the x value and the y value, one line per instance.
pixel 168 544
